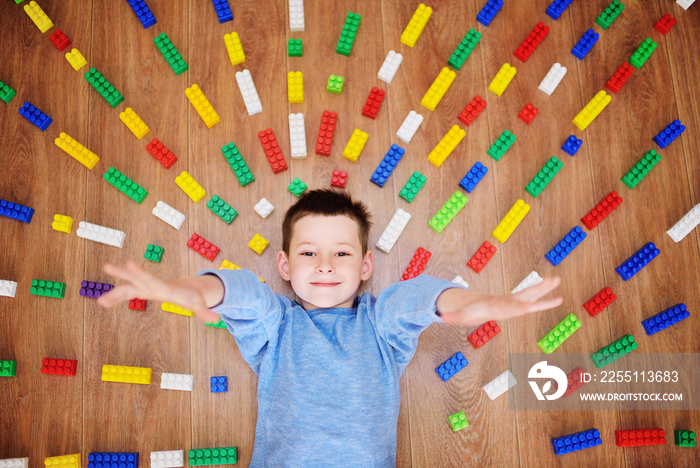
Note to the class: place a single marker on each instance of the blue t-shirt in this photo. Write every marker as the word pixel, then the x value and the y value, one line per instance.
pixel 328 379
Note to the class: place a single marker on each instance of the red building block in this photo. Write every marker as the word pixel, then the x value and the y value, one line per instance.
pixel 325 133
pixel 665 24
pixel 574 381
pixel 339 178
pixel 137 304
pixel 374 102
pixel 484 333
pixel 531 42
pixel 620 77
pixel 640 437
pixel 203 246
pixel 600 301
pixel 417 264
pixel 60 40
pixel 472 111
pixel 161 153
pixel 601 210
pixel 481 257
pixel 528 113
pixel 58 366
pixel 272 151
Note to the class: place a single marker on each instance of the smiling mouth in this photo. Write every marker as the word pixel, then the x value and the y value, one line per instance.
pixel 325 284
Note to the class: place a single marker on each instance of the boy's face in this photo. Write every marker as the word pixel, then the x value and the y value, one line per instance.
pixel 325 263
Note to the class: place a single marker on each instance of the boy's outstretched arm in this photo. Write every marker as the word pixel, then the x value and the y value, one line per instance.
pixel 459 306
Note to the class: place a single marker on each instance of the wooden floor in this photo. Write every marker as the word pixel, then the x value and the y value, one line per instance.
pixel 48 415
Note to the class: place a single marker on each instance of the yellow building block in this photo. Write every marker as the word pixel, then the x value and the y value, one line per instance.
pixel 448 143
pixel 295 87
pixel 202 106
pixel 502 79
pixel 62 223
pixel 415 27
pixel 355 145
pixel 258 243
pixel 234 48
pixel 134 123
pixel 190 186
pixel 508 224
pixel 176 309
pixel 76 59
pixel 38 16
pixel 438 89
pixel 83 155
pixel 63 461
pixel 226 265
pixel 126 374
pixel 588 114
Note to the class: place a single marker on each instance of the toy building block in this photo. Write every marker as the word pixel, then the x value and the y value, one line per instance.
pixel 355 145
pixel 170 53
pixel 601 210
pixel 393 230
pixel 76 59
pixel 502 79
pixel 585 44
pixel 528 113
pixel 154 253
pixel 15 462
pixel 50 366
pixel 445 147
pixel 572 145
pixel 412 187
pixel 481 257
pixel 8 368
pixel 339 178
pixel 684 438
pixel 500 385
pixel 438 89
pixel 8 288
pixel 113 460
pixel 162 154
pixel 417 264
pixel 511 221
pixel 600 301
pixel 184 382
pixel 448 211
pixel 642 54
pixel 620 77
pixel 390 66
pixel 263 208
pixel 489 12
pixel 213 456
pixel 335 84
pixel 258 243
pixel 126 374
pixel 665 319
pixel 297 136
pixel 63 461
pixel 223 10
pixel 665 24
pixel 142 12
pixel 295 87
pixel 59 39
pixel 103 87
pixel 6 93
pixel 35 116
pixel 324 141
pixel 190 186
pixel 686 224
pixel 614 351
pixel 453 365
pixel 296 15
pixel 668 134
pixel 202 106
pixel 557 7
pixel 374 102
pixel 297 187
pixel 251 99
pixel 48 288
pixel 685 4
pixel 272 150
pixel 544 177
pixel 458 421
pixel 93 289
pixel 38 16
pixel 576 442
pixel 138 304
pixel 168 459
pixel 125 185
pixel 460 281
pixel 176 309
pixel 218 384
pixel 101 234
pixel 238 164
pixel 559 334
pixel 234 48
pixel 16 211
pixel 531 42
pixel 348 34
pixel 416 25
pixel 409 126
pixel 636 262
pixel 610 14
pixel 464 49
pixel 295 48
pixel 574 381
pixel 588 114
pixel 472 110
pixel 552 79
pixel 501 145
pixel 484 333
pixel 168 214
pixel 640 170
pixel 205 248
pixel 565 246
pixel 387 165
pixel 222 209
pixel 640 437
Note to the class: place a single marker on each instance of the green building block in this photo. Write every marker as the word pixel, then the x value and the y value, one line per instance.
pixel 103 87
pixel 6 93
pixel 458 421
pixel 8 368
pixel 125 185
pixel 500 146
pixel 213 456
pixel 222 209
pixel 335 84
pixel 614 351
pixel 238 164
pixel 18 1
pixel 448 211
pixel 610 14
pixel 643 52
pixel 48 288
pixel 219 324
pixel 295 48
pixel 154 253
pixel 681 438
pixel 297 187
pixel 559 334
pixel 170 53
pixel 641 169
pixel 413 186
pixel 461 53
pixel 347 35
pixel 544 177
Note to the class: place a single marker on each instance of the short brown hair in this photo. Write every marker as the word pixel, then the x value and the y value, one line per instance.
pixel 327 202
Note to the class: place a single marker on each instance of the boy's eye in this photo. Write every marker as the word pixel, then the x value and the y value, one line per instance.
pixel 342 254
pixel 307 254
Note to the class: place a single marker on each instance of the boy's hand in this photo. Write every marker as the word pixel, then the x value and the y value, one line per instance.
pixel 192 293
pixel 461 307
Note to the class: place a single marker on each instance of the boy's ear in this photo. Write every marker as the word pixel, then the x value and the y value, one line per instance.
pixel 367 265
pixel 283 265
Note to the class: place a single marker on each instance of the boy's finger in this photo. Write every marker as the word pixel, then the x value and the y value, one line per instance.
pixel 545 304
pixel 121 293
pixel 117 271
pixel 534 293
pixel 142 276
pixel 206 315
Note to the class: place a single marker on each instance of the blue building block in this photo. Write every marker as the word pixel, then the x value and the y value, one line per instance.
pixel 572 145
pixel 637 261
pixel 35 116
pixel 223 10
pixel 665 319
pixel 473 177
pixel 16 211
pixel 219 384
pixel 142 12
pixel 489 12
pixel 453 365
pixel 578 441
pixel 669 134
pixel 565 246
pixel 557 8
pixel 388 164
pixel 113 460
pixel 585 44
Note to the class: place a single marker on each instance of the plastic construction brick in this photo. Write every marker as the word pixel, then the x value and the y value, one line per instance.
pixel 640 437
pixel 126 374
pixel 258 244
pixel 458 421
pixel 38 16
pixel 531 42
pixel 528 113
pixel 52 366
pixel 170 53
pixel 8 368
pixel 665 319
pixel 138 304
pixel 373 103
pixel 576 442
pixel 168 459
pixel 390 66
pixel 113 460
pixel 324 141
pixel 438 89
pixel 642 54
pixel 565 246
pixel 601 210
pixel 297 135
pixel 202 106
pixel 450 367
pixel 202 246
pixel 238 164
pixel 412 187
pixel 297 187
pixel 176 309
pixel 417 264
pixel 614 351
pixel 48 288
pixel 448 211
pixel 600 301
pixel 348 34
pixel 263 208
pixel 481 257
pixel 272 151
pixel 484 333
pixel 464 49
pixel 190 186
pixel 557 7
pixel 222 209
pixel 489 12
pixel 76 59
pixel 339 178
pixel 685 4
pixel 142 12
pixel 295 48
pixel 223 10
pixel 8 288
pixel 154 253
pixel 445 147
pixel 501 145
pixel 296 15
pixel 530 280
pixel 101 234
pixel 460 281
pixel 640 170
pixel 60 40
pixel 685 225
pixel 387 165
pixel 585 44
pixel 94 289
pixel 610 14
pixel 335 84
pixel 234 48
pixel 213 456
pixel 295 87
pixel 355 145
pixel 511 221
pixel 15 462
pixel 665 24
pixel 684 438
pixel 472 110
pixel 500 385
pixel 393 230
pixel 637 261
pixel 572 145
pixel 162 154
pixel 415 26
pixel 168 214
pixel 552 79
pixel 63 461
pixel 620 77
pixel 125 185
pixel 668 134
pixel 409 127
pixel 35 116
pixel 574 381
pixel 16 211
pixel 6 93
pixel 559 334
pixel 184 382
pixel 218 384
pixel 103 87
pixel 588 114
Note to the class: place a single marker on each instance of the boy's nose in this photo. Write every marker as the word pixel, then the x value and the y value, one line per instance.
pixel 324 266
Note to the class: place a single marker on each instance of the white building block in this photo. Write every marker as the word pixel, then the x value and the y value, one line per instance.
pixel 8 289
pixel 249 93
pixel 168 459
pixel 169 214
pixel 177 381
pixel 297 135
pixel 687 223
pixel 393 230
pixel 296 15
pixel 263 208
pixel 530 280
pixel 553 78
pixel 460 281
pixel 409 126
pixel 685 4
pixel 500 385
pixel 101 234
pixel 390 66
pixel 14 463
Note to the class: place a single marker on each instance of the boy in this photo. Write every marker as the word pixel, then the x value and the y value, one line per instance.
pixel 329 363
